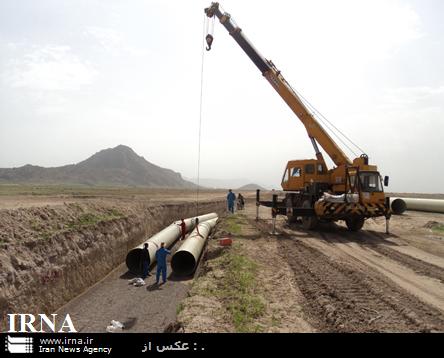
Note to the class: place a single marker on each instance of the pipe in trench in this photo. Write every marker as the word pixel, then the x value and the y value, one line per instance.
pixel 185 260
pixel 168 235
pixel 399 205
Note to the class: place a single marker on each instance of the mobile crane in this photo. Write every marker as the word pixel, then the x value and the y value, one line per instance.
pixel 351 191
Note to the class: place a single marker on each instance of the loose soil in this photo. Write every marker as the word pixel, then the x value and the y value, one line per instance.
pixel 333 280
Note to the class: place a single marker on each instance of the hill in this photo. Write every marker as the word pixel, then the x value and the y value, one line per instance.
pixel 119 166
pixel 219 183
pixel 251 187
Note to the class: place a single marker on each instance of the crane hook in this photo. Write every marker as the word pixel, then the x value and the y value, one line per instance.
pixel 209 39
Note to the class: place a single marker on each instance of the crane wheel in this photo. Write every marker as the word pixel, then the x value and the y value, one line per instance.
pixel 308 222
pixel 355 223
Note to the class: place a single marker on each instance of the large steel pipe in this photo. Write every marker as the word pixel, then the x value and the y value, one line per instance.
pixel 168 235
pixel 185 259
pixel 399 205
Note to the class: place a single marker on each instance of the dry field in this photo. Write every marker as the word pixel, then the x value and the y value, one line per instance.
pixel 62 250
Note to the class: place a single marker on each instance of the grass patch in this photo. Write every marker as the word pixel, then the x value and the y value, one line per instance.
pixel 275 322
pixel 240 292
pixel 44 232
pixel 233 224
pixel 47 235
pixel 114 212
pixel 439 228
pixel 36 226
pixel 179 308
pixel 83 190
pixel 91 219
pixel 237 289
pixel 84 220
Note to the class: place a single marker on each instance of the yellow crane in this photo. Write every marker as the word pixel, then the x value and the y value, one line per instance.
pixel 351 191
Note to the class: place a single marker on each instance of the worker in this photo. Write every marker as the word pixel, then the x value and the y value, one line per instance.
pixel 183 229
pixel 240 201
pixel 161 256
pixel 231 198
pixel 145 258
pixel 197 227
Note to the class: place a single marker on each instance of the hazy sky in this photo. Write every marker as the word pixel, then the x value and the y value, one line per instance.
pixel 80 76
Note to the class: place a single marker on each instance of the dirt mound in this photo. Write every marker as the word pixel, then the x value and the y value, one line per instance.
pixel 432 225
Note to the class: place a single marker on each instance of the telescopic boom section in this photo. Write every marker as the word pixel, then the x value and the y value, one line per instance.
pixel 315 131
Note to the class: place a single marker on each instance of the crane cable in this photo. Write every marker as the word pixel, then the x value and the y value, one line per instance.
pixel 205 28
pixel 321 117
pixel 326 122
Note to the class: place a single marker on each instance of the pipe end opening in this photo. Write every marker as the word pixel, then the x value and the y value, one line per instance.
pixel 134 261
pixel 398 206
pixel 183 263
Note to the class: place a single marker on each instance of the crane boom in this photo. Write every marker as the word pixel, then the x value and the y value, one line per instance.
pixel 352 191
pixel 315 131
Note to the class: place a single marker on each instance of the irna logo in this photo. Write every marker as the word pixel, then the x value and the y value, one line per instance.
pixel 25 322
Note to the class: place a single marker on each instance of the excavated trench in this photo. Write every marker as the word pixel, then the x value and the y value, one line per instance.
pixel 60 268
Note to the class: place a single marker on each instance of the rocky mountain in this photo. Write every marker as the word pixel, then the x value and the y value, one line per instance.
pixel 119 166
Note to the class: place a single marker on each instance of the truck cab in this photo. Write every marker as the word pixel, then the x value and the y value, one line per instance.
pixel 299 174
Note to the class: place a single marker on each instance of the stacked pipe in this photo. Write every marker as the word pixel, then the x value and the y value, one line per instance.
pixel 399 205
pixel 168 235
pixel 185 260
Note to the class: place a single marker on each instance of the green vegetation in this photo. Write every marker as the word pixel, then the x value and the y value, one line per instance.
pixel 84 220
pixel 49 228
pixel 233 224
pixel 42 190
pixel 237 289
pixel 36 226
pixel 180 308
pixel 83 191
pixel 275 322
pixel 115 213
pixel 90 219
pixel 438 228
pixel 44 232
pixel 240 292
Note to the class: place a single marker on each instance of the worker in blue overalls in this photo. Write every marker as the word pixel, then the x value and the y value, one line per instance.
pixel 231 198
pixel 161 256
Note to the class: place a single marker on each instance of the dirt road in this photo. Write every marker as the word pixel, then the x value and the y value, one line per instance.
pixel 330 280
pixel 367 281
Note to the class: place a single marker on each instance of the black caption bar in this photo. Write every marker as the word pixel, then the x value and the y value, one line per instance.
pixel 143 344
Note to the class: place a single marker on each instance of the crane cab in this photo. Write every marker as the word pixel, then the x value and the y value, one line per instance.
pixel 299 174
